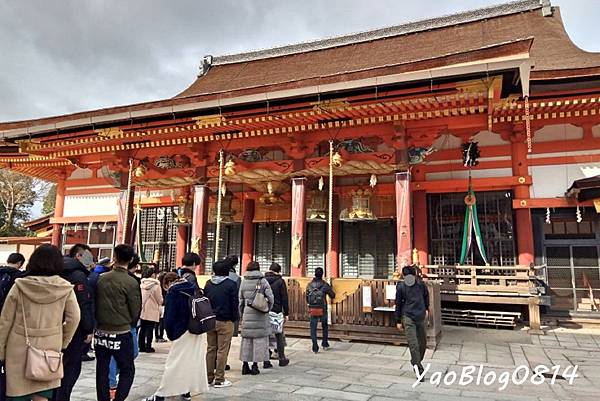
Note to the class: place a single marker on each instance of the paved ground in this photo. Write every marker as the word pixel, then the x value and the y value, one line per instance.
pixel 374 372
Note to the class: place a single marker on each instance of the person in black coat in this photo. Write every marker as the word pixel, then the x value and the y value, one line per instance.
pixel 77 263
pixel 223 296
pixel 412 303
pixel 280 307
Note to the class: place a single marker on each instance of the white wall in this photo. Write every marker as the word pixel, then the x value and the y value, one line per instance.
pixel 553 181
pixel 91 205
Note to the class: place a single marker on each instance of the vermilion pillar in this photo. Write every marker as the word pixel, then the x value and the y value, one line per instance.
pixel 59 209
pixel 248 234
pixel 403 221
pixel 199 224
pixel 298 260
pixel 420 223
pixel 523 224
pixel 182 233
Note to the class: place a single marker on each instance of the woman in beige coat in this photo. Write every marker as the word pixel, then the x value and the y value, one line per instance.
pixel 51 314
pixel 152 300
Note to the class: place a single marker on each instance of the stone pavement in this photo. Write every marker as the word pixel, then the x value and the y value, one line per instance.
pixel 375 372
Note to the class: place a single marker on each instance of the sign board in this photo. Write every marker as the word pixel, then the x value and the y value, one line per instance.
pixel 390 292
pixel 367 299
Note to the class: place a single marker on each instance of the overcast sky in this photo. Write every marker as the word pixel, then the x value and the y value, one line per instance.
pixel 65 56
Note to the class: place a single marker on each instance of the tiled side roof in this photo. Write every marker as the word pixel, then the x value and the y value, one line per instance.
pixel 381 33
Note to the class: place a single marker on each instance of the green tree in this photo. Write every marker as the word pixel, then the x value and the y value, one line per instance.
pixel 49 200
pixel 17 195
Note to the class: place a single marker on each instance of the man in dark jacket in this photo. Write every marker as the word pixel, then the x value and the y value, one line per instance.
pixel 118 306
pixel 187 271
pixel 280 307
pixel 412 303
pixel 9 273
pixel 318 289
pixel 223 296
pixel 77 263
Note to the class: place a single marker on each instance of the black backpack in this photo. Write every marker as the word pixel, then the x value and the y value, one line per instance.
pixel 315 296
pixel 202 317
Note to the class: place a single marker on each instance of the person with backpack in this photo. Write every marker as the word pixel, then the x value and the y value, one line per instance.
pixel 412 304
pixel 9 273
pixel 41 309
pixel 118 306
pixel 151 303
pixel 223 296
pixel 316 293
pixel 185 368
pixel 190 262
pixel 280 310
pixel 256 300
pixel 77 266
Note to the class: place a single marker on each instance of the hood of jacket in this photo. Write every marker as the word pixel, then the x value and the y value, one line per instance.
pixel 218 279
pixel 44 289
pixel 149 283
pixel 183 285
pixel 272 276
pixel 101 269
pixel 73 264
pixel 253 275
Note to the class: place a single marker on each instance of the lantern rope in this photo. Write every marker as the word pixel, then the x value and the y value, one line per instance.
pixel 219 202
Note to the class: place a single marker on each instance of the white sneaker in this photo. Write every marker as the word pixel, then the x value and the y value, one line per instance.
pixel 226 383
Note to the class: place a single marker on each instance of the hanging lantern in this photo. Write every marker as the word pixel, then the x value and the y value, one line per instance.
pixel 321 183
pixel 361 207
pixel 270 188
pixel 317 210
pixel 373 181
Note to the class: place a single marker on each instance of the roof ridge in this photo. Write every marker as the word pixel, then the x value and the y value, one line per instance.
pixel 381 33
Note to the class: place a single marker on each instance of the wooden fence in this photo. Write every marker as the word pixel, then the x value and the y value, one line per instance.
pixel 353 319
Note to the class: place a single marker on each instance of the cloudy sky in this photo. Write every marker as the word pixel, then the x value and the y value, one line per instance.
pixel 64 56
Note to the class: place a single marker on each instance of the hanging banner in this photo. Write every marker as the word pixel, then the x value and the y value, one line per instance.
pixel 471 228
pixel 298 219
pixel 403 220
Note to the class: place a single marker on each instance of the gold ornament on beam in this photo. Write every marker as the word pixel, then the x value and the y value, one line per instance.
pixel 337 160
pixel 140 171
pixel 373 181
pixel 230 168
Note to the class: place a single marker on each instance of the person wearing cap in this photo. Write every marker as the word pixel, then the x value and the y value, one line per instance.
pixel 412 303
pixel 223 296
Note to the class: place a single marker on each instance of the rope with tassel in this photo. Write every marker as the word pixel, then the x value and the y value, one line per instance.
pixel 219 202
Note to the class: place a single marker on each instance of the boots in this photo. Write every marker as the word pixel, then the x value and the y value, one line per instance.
pixel 284 362
pixel 267 365
pixel 254 370
pixel 245 369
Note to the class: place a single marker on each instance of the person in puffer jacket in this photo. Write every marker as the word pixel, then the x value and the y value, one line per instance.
pixel 152 300
pixel 185 368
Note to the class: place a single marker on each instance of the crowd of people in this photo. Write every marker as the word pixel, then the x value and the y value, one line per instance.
pixel 64 304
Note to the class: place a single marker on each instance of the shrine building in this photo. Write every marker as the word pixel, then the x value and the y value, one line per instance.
pixel 349 153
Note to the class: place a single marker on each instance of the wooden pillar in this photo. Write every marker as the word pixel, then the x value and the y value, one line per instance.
pixel 248 234
pixel 335 243
pixel 200 224
pixel 298 257
pixel 420 219
pixel 59 209
pixel 403 222
pixel 523 223
pixel 535 325
pixel 182 229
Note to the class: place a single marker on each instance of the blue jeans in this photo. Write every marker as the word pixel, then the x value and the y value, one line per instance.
pixel 314 320
pixel 113 371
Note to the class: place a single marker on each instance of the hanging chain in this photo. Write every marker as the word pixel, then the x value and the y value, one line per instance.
pixel 528 124
pixel 219 201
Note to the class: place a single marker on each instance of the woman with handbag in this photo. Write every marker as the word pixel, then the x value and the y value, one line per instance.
pixel 256 300
pixel 38 320
pixel 279 313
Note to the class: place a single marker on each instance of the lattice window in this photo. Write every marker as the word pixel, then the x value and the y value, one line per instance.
pixel 159 232
pixel 446 220
pixel 368 249
pixel 316 245
pixel 273 244
pixel 230 244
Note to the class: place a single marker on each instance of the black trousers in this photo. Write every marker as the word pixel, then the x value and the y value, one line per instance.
pixel 314 320
pixel 120 347
pixel 71 366
pixel 159 331
pixel 146 334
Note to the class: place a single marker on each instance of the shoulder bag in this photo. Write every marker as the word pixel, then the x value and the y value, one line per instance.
pixel 41 365
pixel 258 300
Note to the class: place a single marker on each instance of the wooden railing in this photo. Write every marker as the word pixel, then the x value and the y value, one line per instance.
pixel 351 319
pixel 510 279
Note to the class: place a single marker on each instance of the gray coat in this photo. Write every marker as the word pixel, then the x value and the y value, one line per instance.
pixel 255 324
